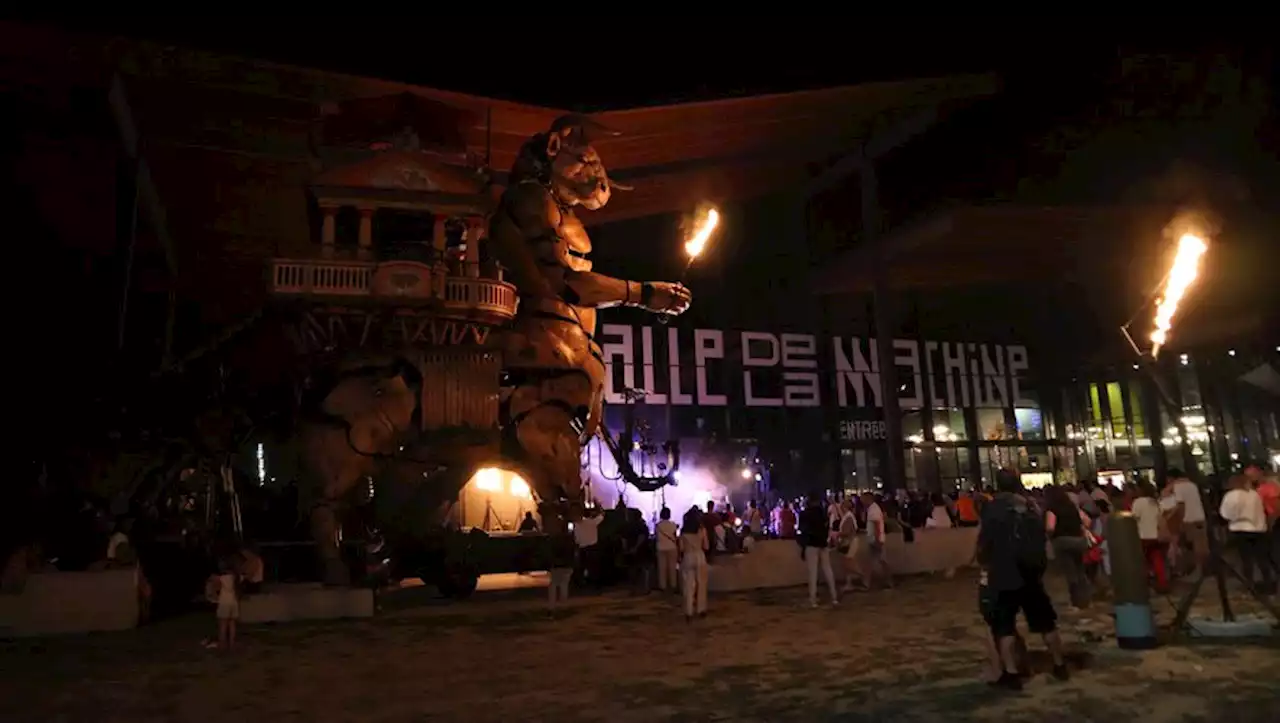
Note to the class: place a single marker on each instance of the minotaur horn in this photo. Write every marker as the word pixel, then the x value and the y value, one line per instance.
pixel 590 129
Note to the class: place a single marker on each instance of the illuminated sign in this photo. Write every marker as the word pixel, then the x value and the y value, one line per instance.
pixel 856 431
pixel 763 369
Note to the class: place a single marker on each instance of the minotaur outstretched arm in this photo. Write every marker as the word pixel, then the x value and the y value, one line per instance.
pixel 555 257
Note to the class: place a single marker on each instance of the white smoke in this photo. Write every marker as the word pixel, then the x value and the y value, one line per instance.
pixel 695 485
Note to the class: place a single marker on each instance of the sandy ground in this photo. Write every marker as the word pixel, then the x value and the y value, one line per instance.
pixel 910 654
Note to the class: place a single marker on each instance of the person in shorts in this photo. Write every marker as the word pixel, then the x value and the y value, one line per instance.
pixel 991 644
pixel 1011 549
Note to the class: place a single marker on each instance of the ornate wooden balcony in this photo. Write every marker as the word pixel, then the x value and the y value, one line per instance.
pixel 456 288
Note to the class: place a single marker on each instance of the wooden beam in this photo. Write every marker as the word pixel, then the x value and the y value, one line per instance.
pixel 788 156
pixel 876 145
pixel 853 261
pixel 147 192
pixel 446 203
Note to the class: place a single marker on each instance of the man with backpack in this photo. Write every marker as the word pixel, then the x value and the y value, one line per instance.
pixel 1011 551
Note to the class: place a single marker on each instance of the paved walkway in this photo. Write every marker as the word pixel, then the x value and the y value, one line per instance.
pixel 911 654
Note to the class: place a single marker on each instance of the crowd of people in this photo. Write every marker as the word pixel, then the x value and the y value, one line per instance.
pixel 832 533
pixel 1022 533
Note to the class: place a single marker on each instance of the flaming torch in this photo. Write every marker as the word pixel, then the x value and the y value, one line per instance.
pixel 695 245
pixel 1186 266
pixel 698 241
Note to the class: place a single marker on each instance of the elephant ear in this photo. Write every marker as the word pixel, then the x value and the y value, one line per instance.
pixel 399 402
pixel 352 397
pixel 383 400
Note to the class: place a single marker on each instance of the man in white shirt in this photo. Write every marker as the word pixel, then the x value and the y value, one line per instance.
pixel 1191 505
pixel 119 549
pixel 1146 510
pixel 668 536
pixel 1243 510
pixel 586 533
pixel 874 561
pixel 114 543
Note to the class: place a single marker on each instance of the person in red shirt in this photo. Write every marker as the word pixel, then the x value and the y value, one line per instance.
pixel 1269 490
pixel 967 509
pixel 711 520
pixel 1128 496
pixel 786 521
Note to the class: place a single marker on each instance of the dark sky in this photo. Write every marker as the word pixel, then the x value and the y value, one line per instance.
pixel 596 62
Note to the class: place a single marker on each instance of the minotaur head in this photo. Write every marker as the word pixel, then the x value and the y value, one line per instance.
pixel 564 158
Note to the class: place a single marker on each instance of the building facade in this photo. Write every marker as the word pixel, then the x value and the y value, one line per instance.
pixel 1123 419
pixel 812 406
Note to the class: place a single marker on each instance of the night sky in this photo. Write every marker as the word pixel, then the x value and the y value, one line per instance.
pixel 607 64
pixel 1062 88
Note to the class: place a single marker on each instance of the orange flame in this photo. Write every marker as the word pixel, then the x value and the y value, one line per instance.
pixel 698 241
pixel 1186 266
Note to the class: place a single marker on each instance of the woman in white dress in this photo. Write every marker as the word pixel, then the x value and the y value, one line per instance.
pixel 693 564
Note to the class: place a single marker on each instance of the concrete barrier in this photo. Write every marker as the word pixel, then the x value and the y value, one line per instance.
pixel 305 601
pixel 56 603
pixel 777 563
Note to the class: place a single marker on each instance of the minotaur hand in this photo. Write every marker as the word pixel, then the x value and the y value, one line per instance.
pixel 666 298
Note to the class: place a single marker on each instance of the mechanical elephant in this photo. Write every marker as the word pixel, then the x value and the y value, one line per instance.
pixel 361 418
pixel 363 426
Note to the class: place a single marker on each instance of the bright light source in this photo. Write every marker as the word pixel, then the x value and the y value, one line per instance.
pixel 520 488
pixel 698 241
pixel 746 473
pixel 1231 352
pixel 759 477
pixel 488 479
pixel 262 464
pixel 1186 266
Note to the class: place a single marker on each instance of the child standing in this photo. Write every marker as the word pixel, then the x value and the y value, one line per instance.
pixel 222 591
pixel 563 551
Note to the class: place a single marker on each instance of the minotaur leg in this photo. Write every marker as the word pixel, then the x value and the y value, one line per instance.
pixel 546 416
pixel 324 530
pixel 553 458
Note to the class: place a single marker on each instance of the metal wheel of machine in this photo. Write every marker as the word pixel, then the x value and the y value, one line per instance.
pixel 458 582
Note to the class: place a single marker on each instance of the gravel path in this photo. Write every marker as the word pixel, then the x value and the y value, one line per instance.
pixel 909 654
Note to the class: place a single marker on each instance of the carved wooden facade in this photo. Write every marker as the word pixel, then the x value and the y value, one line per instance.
pixel 460 388
pixel 422 298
